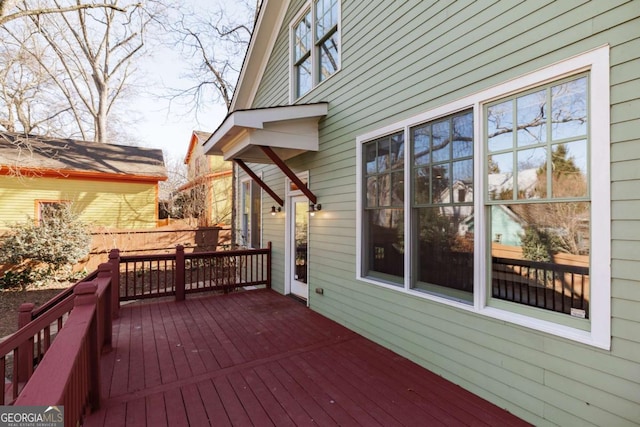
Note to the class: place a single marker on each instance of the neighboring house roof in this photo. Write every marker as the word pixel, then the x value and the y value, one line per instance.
pixel 197 136
pixel 68 157
pixel 527 181
pixel 203 179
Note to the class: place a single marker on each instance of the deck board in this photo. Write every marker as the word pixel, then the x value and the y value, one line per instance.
pixel 259 358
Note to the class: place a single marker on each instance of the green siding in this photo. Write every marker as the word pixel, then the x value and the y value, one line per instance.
pixel 400 59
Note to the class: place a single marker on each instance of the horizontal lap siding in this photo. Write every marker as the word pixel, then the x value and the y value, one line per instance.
pixel 99 203
pixel 400 59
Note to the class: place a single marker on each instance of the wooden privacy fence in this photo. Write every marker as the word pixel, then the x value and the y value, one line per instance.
pixel 180 273
pixel 65 370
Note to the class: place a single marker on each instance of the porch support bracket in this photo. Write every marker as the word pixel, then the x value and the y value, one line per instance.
pixel 289 173
pixel 260 182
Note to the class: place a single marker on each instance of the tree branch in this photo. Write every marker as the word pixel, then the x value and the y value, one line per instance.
pixel 47 11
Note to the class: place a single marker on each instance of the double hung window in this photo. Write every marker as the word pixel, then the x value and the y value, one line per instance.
pixel 442 205
pixel 501 202
pixel 315 45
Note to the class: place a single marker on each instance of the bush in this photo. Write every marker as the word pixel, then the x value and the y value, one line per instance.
pixel 16 279
pixel 58 240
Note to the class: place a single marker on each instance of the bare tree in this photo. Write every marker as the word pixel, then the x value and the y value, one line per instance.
pixel 215 44
pixel 14 9
pixel 95 49
pixel 28 97
pixel 177 177
pixel 85 61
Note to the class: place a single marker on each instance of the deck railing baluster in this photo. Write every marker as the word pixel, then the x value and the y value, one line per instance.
pixel 551 286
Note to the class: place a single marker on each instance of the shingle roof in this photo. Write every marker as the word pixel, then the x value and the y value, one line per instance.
pixel 40 152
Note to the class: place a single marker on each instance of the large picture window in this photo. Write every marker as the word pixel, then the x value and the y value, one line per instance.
pixel 315 45
pixel 502 190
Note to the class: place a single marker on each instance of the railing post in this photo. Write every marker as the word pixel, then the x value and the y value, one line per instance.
pixel 269 265
pixel 104 310
pixel 25 351
pixel 87 293
pixel 180 273
pixel 114 260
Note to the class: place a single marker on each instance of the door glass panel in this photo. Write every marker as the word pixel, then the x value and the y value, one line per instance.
pixel 300 230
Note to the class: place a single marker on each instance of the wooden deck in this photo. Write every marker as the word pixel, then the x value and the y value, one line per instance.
pixel 259 358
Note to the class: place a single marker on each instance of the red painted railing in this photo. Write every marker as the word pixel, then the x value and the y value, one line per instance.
pixel 68 367
pixel 180 273
pixel 67 293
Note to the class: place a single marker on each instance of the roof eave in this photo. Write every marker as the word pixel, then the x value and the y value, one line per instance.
pixel 289 130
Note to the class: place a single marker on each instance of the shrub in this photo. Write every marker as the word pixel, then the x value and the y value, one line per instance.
pixel 58 240
pixel 16 279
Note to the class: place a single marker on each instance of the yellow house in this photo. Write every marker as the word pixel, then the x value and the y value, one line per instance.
pixel 108 185
pixel 207 194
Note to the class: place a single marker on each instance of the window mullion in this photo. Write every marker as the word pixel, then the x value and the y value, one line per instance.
pixel 315 67
pixel 480 261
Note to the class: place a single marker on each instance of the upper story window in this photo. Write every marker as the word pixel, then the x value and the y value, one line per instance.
pixel 315 45
pixel 504 190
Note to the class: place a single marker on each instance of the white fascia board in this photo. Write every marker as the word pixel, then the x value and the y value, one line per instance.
pixel 289 127
pixel 263 39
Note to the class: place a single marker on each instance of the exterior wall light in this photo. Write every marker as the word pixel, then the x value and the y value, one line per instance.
pixel 314 208
pixel 275 210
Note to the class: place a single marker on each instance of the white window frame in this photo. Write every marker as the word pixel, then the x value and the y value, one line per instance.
pixel 596 62
pixel 289 194
pixel 315 73
pixel 241 204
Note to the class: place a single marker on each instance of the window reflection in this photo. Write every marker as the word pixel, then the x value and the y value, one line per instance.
pixel 500 126
pixel 445 251
pixel 384 218
pixel 443 206
pixel 532 115
pixel 569 109
pixel 540 255
pixel 541 246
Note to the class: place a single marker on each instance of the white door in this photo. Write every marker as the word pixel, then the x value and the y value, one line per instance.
pixel 298 241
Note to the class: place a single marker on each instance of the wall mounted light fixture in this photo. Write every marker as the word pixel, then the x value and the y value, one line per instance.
pixel 314 208
pixel 275 210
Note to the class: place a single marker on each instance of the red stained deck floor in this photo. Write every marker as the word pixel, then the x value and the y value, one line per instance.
pixel 259 358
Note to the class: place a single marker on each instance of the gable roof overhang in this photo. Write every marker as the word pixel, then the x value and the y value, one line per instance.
pixel 287 130
pixel 269 135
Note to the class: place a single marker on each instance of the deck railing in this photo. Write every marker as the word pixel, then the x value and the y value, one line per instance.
pixel 180 273
pixel 68 367
pixel 17 361
pixel 555 287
